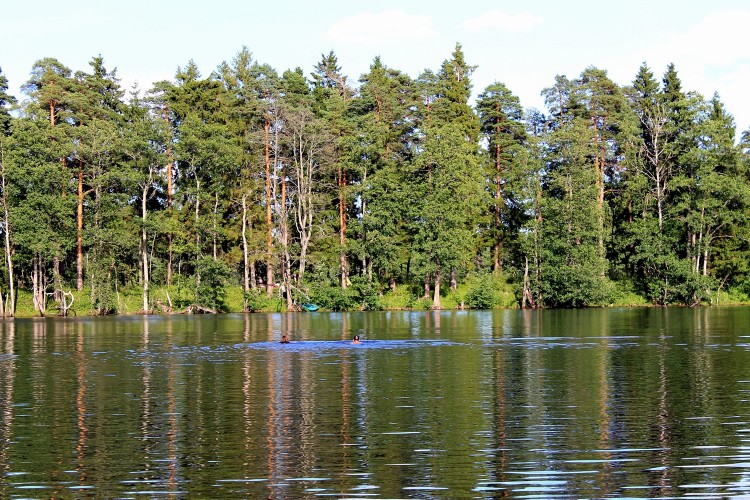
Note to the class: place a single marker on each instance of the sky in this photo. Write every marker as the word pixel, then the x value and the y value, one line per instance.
pixel 521 43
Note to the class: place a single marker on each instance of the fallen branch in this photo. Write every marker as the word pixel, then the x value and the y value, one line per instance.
pixel 197 309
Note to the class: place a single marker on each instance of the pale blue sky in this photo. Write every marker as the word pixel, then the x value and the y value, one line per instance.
pixel 521 43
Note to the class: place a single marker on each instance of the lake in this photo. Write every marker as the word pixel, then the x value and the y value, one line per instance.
pixel 457 404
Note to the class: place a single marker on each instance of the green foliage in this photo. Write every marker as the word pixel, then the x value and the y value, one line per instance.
pixel 487 291
pixel 104 298
pixel 611 196
pixel 361 295
pixel 400 298
pixel 420 303
pixel 5 100
pixel 256 300
pixel 626 295
pixel 212 277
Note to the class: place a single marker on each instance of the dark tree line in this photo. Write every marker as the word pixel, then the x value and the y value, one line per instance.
pixel 312 185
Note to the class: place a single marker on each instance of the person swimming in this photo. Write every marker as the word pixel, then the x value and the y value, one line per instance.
pixel 284 339
pixel 356 340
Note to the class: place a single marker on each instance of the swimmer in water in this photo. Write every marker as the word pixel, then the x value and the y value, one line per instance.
pixel 284 339
pixel 356 340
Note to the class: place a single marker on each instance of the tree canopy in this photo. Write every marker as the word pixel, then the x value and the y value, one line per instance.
pixel 311 187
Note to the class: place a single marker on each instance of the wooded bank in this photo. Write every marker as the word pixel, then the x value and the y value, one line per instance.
pixel 337 192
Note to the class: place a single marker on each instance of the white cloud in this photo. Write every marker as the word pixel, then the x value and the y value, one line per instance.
pixel 719 39
pixel 710 56
pixel 500 20
pixel 388 26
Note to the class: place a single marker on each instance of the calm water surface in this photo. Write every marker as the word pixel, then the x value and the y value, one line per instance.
pixel 543 404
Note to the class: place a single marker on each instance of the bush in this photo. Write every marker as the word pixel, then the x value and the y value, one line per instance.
pixel 256 300
pixel 625 295
pixel 486 291
pixel 400 298
pixel 211 291
pixel 361 295
pixel 482 295
pixel 365 293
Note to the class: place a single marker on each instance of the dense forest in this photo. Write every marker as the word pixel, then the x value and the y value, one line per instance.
pixel 308 187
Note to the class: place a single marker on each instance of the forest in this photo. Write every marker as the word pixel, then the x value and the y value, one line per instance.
pixel 394 191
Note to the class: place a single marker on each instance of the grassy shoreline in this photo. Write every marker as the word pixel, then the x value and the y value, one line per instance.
pixel 129 301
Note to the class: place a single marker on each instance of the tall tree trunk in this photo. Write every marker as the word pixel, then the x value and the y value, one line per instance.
pixel 38 285
pixel 169 177
pixel 215 228
pixel 169 259
pixel 287 264
pixel 144 244
pixel 197 234
pixel 304 214
pixel 197 217
pixel 140 262
pixel 427 286
pixel 169 200
pixel 343 264
pixel 436 297
pixel 527 298
pixel 56 279
pixel 253 277
pixel 79 229
pixel 705 261
pixel 694 251
pixel 659 199
pixel 497 251
pixel 599 172
pixel 245 265
pixel 454 281
pixel 34 283
pixel 269 222
pixel 10 305
pixel 702 247
pixel 363 199
pixel 56 259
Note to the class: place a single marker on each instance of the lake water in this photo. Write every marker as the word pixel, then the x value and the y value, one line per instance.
pixel 525 404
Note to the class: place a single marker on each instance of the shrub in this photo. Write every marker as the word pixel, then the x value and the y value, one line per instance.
pixel 211 291
pixel 256 300
pixel 360 295
pixel 481 296
pixel 486 291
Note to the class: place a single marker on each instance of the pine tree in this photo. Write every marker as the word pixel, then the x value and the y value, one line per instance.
pixel 144 154
pixel 96 111
pixel 332 98
pixel 5 101
pixel 448 211
pixel 7 306
pixel 591 121
pixel 451 200
pixel 207 156
pixel 384 108
pixel 52 90
pixel 500 116
pixel 254 118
